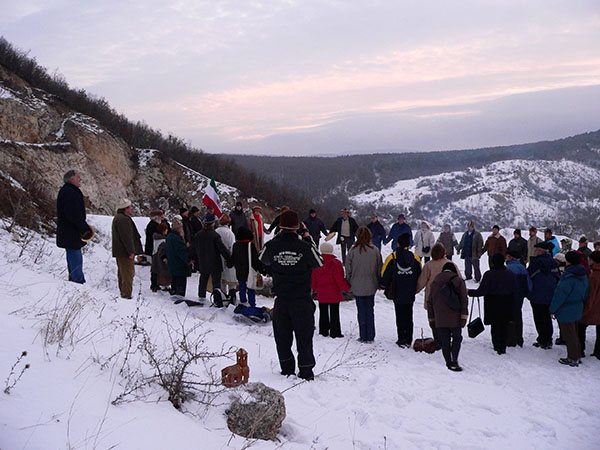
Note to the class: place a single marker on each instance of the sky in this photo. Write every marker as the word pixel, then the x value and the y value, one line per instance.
pixel 328 77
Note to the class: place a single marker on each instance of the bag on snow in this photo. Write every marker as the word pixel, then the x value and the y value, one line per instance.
pixel 475 327
pixel 426 345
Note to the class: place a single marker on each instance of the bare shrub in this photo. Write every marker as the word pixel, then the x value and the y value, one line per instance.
pixel 13 378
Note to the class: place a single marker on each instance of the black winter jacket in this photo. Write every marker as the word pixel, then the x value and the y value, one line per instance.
pixel 407 270
pixel 239 259
pixel 70 212
pixel 500 291
pixel 238 220
pixel 315 226
pixel 290 261
pixel 207 249
pixel 519 245
pixel 151 228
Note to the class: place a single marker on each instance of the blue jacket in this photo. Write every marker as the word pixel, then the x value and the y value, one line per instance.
pixel 177 255
pixel 378 233
pixel 396 231
pixel 523 279
pixel 570 294
pixel 544 274
pixel 556 248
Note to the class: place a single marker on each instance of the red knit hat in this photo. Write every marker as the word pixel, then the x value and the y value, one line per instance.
pixel 289 220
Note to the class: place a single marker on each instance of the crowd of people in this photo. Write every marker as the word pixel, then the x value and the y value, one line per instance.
pixel 230 252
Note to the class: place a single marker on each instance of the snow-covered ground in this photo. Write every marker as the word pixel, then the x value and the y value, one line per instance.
pixel 364 396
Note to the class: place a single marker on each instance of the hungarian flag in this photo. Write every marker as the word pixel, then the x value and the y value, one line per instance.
pixel 211 198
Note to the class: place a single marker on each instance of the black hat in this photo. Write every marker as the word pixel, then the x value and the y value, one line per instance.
pixel 194 210
pixel 403 240
pixel 573 258
pixel 182 210
pixel 243 234
pixel 209 218
pixel 545 246
pixel 498 260
pixel 312 211
pixel 514 254
pixel 289 220
pixel 238 203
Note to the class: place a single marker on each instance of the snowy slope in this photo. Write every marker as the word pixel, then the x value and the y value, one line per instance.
pixel 364 397
pixel 516 193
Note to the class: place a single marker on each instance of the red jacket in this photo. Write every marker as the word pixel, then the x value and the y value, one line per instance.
pixel 329 280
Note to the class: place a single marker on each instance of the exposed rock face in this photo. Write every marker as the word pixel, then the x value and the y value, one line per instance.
pixel 256 412
pixel 40 139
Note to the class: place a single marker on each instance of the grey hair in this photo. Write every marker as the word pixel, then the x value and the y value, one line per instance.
pixel 68 175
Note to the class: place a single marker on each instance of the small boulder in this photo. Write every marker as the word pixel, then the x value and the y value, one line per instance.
pixel 256 412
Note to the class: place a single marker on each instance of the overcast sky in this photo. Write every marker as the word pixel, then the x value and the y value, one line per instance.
pixel 313 77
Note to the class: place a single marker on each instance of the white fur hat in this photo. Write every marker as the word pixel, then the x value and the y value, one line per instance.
pixel 124 203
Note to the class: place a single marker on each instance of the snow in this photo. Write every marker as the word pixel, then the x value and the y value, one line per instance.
pixel 6 94
pixel 145 155
pixel 364 396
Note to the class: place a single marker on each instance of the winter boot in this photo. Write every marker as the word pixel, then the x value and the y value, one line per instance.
pixel 306 373
pixel 568 362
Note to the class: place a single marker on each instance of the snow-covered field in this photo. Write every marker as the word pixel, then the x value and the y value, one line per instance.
pixel 364 396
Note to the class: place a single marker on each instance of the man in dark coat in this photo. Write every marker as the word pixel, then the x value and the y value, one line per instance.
pixel 403 268
pixel 187 226
pixel 345 227
pixel 315 226
pixel 207 249
pixel 471 248
pixel 377 231
pixel 238 218
pixel 125 245
pixel 397 230
pixel 177 259
pixel 495 244
pixel 515 328
pixel 518 244
pixel 290 261
pixel 195 220
pixel 156 218
pixel 544 273
pixel 71 224
pixel 500 292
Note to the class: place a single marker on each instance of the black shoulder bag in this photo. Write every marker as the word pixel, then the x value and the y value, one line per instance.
pixel 475 327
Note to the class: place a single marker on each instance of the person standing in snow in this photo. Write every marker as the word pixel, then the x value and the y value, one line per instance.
pixel 591 309
pixel 583 246
pixel 290 261
pixel 363 272
pixel 228 279
pixel 518 244
pixel 471 248
pixel 448 316
pixel 345 227
pixel 567 306
pixel 187 226
pixel 532 242
pixel 549 237
pixel 403 268
pixel 125 245
pixel 515 327
pixel 159 270
pixel 377 231
pixel 315 226
pixel 500 291
pixel 178 261
pixel 156 218
pixel 424 241
pixel 257 225
pixel 495 244
pixel 328 282
pixel 238 218
pixel 244 257
pixel 544 274
pixel 448 240
pixel 195 221
pixel 71 225
pixel 207 250
pixel 397 230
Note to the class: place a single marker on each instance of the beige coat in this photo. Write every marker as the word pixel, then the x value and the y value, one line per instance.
pixel 531 246
pixel 259 242
pixel 430 270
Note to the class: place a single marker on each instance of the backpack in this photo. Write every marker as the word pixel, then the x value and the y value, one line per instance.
pixel 450 295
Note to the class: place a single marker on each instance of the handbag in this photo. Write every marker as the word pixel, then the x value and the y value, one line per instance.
pixel 475 327
pixel 426 345
pixel 390 289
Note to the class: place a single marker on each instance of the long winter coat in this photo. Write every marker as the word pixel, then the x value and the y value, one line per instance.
pixel 378 233
pixel 125 237
pixel 448 240
pixel 495 244
pixel 328 280
pixel 431 269
pixel 159 267
pixel 500 292
pixel 258 231
pixel 337 227
pixel 228 239
pixel 404 267
pixel 238 220
pixel 239 258
pixel 396 231
pixel 570 294
pixel 363 270
pixel 70 221
pixel 438 309
pixel 518 245
pixel 544 274
pixel 476 245
pixel 591 309
pixel 207 249
pixel 424 239
pixel 151 228
pixel 177 255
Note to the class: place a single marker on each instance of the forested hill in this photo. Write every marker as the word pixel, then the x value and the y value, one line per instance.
pixel 334 178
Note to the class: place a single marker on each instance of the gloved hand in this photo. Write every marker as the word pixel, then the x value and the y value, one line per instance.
pixel 463 322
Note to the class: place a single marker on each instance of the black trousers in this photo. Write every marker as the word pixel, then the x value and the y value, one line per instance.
pixel 329 319
pixel 515 327
pixel 294 317
pixel 499 333
pixel 216 282
pixel 404 322
pixel 178 285
pixel 582 329
pixel 543 323
pixel 450 339
pixel 153 280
